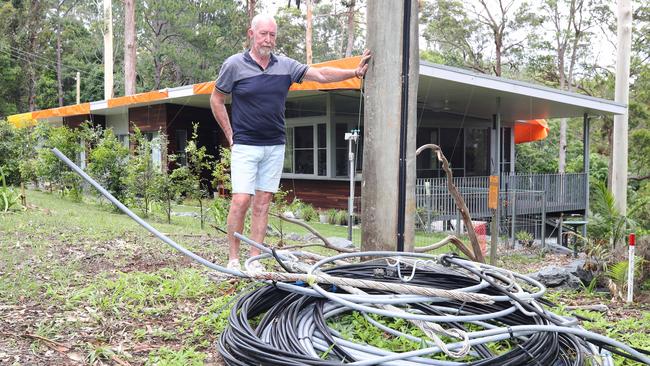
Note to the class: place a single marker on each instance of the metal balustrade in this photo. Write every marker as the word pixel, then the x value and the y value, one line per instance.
pixel 522 194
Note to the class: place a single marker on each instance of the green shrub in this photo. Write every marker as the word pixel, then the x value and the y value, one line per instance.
pixel 107 163
pixel 524 237
pixel 8 197
pixel 52 170
pixel 141 173
pixel 331 216
pixel 308 213
pixel 341 217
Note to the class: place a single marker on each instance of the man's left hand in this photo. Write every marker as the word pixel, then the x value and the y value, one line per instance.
pixel 361 70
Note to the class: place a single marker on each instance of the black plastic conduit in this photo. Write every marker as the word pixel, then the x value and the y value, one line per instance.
pixel 401 197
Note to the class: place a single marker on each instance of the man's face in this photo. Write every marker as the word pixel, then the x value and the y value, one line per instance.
pixel 263 37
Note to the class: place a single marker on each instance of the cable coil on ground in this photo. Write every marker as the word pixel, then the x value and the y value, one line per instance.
pixel 289 325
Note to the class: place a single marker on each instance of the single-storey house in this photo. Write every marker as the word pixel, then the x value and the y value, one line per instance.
pixel 476 119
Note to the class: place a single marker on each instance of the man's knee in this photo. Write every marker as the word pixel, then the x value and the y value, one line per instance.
pixel 239 204
pixel 261 203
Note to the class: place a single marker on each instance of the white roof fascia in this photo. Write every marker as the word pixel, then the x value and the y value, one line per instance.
pixel 521 88
pixel 100 104
pixel 181 91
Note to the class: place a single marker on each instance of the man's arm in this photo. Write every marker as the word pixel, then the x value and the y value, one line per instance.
pixel 333 74
pixel 218 106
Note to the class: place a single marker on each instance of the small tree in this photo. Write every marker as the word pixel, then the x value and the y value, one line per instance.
pixel 221 172
pixel 189 177
pixel 166 189
pixel 141 172
pixel 50 169
pixel 108 163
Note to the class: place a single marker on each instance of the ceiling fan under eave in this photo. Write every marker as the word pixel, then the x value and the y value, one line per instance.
pixel 438 105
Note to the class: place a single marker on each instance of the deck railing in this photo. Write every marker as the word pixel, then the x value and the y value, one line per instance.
pixel 518 194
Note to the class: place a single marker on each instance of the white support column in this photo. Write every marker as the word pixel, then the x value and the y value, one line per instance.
pixel 620 135
pixel 108 50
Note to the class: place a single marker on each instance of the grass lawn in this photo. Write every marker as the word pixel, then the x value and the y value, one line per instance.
pixel 81 284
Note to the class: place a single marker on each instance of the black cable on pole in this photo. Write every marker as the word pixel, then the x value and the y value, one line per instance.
pixel 401 197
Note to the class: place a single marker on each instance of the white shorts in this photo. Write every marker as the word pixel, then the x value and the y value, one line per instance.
pixel 256 168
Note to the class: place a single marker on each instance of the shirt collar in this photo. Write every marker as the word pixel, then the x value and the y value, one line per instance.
pixel 248 58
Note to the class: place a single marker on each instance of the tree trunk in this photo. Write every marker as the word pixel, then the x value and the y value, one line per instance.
pixel 620 132
pixel 498 51
pixel 350 23
pixel 308 36
pixel 108 49
pixel 250 9
pixel 129 47
pixel 59 77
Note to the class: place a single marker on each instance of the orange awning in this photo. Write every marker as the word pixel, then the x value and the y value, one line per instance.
pixel 531 130
pixel 22 120
pixel 203 88
pixel 137 98
pixel 70 110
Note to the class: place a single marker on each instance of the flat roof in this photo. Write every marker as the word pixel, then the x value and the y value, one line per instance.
pixel 474 94
pixel 441 89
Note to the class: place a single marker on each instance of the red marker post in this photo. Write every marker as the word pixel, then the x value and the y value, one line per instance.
pixel 630 268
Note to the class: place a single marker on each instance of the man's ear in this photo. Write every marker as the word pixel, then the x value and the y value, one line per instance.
pixel 250 33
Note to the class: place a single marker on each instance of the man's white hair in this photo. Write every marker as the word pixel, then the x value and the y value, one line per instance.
pixel 260 17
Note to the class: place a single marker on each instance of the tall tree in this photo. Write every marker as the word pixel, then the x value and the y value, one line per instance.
pixel 570 22
pixel 620 136
pixel 129 47
pixel 474 30
pixel 250 9
pixel 350 26
pixel 308 33
pixel 503 24
pixel 185 42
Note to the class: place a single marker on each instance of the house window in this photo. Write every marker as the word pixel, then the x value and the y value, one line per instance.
pixel 303 141
pixel 288 152
pixel 477 156
pixel 181 144
pixel 124 140
pixel 506 145
pixel 452 143
pixel 306 150
pixel 426 162
pixel 341 150
pixel 322 149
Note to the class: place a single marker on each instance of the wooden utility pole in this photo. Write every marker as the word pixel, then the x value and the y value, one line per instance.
pixel 308 35
pixel 129 47
pixel 108 50
pixel 382 121
pixel 620 133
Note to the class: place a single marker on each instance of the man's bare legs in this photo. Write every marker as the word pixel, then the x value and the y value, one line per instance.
pixel 237 215
pixel 260 219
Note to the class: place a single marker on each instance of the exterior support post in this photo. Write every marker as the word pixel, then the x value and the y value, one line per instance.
pixel 496 170
pixel 585 138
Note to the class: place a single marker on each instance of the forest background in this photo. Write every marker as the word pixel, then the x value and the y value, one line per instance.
pixel 565 44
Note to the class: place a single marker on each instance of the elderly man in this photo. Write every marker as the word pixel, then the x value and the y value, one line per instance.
pixel 259 82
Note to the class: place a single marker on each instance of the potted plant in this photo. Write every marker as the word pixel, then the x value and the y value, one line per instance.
pixel 525 238
pixel 322 217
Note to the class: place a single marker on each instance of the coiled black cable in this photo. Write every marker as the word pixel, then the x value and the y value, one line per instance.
pixel 276 339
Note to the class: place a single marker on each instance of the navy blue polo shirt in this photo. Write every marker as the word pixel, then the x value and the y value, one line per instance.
pixel 258 96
